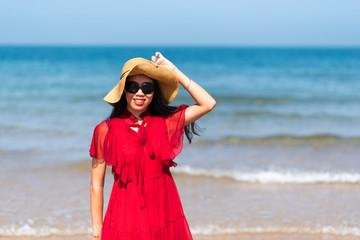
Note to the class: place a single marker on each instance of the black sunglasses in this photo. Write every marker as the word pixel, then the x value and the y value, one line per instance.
pixel 133 87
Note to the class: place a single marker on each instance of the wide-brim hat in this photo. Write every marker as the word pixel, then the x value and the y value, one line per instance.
pixel 167 81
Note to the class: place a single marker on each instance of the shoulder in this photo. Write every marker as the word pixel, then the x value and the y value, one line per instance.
pixel 102 128
pixel 181 108
pixel 178 110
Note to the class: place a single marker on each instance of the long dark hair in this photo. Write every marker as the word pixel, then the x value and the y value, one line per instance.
pixel 157 107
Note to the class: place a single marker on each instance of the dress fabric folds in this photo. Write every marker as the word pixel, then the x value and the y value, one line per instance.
pixel 144 203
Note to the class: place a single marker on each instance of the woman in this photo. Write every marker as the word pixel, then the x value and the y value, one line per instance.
pixel 140 140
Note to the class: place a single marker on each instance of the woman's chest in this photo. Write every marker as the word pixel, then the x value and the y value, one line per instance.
pixel 142 147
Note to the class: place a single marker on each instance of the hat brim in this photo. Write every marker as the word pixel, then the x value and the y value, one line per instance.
pixel 168 82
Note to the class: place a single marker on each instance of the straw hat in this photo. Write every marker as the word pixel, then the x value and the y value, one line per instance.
pixel 168 83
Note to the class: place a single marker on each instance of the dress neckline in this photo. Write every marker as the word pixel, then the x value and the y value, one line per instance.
pixel 132 122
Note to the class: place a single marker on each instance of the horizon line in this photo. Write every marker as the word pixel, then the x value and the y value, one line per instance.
pixel 176 45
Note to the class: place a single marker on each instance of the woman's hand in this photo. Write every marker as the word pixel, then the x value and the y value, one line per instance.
pixel 97 237
pixel 204 101
pixel 160 60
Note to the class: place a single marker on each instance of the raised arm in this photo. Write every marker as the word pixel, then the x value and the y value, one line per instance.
pixel 204 101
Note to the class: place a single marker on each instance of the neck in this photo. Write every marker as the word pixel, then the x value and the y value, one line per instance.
pixel 135 113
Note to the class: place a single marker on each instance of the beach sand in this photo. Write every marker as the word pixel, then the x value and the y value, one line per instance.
pixel 243 201
pixel 239 237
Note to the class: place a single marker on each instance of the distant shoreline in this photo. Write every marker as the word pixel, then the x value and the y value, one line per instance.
pixel 224 46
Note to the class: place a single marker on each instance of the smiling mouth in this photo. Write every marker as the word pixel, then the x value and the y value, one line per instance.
pixel 139 101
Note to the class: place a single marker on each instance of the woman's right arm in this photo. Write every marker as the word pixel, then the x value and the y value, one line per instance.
pixel 204 101
pixel 97 196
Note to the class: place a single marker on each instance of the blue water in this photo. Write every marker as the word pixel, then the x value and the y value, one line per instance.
pixel 51 97
pixel 283 116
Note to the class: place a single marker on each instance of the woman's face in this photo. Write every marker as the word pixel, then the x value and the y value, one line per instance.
pixel 138 102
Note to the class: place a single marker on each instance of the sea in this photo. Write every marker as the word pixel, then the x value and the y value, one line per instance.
pixel 278 156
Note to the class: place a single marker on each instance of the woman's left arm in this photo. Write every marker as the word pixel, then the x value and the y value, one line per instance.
pixel 204 101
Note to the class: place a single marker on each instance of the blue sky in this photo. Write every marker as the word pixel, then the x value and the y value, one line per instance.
pixel 182 22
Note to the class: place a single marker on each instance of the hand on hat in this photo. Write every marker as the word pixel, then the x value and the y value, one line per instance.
pixel 160 60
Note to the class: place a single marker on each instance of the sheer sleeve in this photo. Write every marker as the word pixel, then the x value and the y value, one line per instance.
pixel 175 124
pixel 97 143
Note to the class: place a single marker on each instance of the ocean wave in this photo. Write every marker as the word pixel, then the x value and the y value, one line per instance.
pixel 273 177
pixel 29 230
pixel 213 229
pixel 283 99
pixel 268 114
pixel 281 139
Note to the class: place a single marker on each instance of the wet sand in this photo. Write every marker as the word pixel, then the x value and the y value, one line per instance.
pixel 239 237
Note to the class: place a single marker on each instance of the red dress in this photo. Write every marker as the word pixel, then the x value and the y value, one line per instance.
pixel 144 203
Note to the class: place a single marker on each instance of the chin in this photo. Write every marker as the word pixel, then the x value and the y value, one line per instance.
pixel 139 108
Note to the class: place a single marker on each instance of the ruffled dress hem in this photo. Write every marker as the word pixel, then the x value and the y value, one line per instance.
pixel 176 230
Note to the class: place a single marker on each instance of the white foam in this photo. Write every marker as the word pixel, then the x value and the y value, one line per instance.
pixel 26 230
pixel 268 177
pixel 29 230
pixel 220 230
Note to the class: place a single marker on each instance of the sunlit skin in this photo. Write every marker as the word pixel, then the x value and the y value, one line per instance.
pixel 138 102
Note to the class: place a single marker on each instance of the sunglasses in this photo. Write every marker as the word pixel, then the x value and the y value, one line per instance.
pixel 133 87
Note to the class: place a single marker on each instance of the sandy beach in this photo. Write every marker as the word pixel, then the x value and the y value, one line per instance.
pixel 278 157
pixel 240 237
